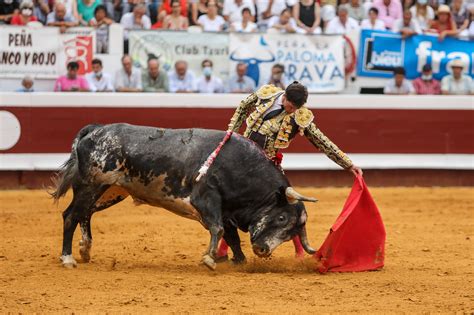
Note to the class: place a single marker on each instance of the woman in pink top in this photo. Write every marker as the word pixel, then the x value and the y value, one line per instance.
pixel 71 82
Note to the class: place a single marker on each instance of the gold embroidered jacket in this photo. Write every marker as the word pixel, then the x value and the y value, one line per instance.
pixel 278 131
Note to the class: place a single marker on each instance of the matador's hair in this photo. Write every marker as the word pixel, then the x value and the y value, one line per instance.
pixel 296 93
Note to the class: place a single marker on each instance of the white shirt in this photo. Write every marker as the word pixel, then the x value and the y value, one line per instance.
pixel 278 104
pixel 188 83
pixel 209 25
pixel 366 25
pixel 133 81
pixel 398 26
pixel 276 20
pixel 277 6
pixel 463 86
pixel 251 27
pixel 335 26
pixel 214 85
pixel 128 23
pixel 103 84
pixel 235 12
pixel 405 88
pixel 423 21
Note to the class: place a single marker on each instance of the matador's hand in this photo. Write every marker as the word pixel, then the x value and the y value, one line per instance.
pixel 357 171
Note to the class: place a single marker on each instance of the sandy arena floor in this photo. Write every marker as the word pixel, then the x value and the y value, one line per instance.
pixel 145 259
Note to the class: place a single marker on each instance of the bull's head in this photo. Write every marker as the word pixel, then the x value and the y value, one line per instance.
pixel 280 223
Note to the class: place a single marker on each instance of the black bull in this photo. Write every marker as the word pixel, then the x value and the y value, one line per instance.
pixel 242 189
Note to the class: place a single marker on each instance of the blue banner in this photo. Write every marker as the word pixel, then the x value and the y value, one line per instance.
pixel 381 51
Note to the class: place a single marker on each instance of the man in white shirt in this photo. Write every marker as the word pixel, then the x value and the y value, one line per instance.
pixel 181 80
pixel 342 23
pixel 241 83
pixel 136 20
pixel 399 85
pixel 283 23
pixel 457 83
pixel 406 26
pixel 99 81
pixel 208 83
pixel 211 22
pixel 129 78
pixel 232 10
pixel 269 8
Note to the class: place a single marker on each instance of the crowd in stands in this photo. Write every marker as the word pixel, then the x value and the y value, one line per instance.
pixel 409 17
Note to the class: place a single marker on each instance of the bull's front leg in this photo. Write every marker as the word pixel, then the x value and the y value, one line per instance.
pixel 209 257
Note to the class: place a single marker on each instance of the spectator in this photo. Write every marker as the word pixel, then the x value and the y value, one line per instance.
pixel 136 20
pixel 457 83
pixel 389 11
pixel 175 21
pixel 399 85
pixel 8 8
pixel 26 14
pixel 460 15
pixel 166 9
pixel 101 23
pixel 129 78
pixel 155 80
pixel 406 26
pixel 60 19
pixel 356 10
pixel 40 10
pixel 208 83
pixel 373 23
pixel 426 85
pixel 283 23
pixel 232 11
pixel 266 9
pixel 98 80
pixel 277 78
pixel 86 10
pixel 71 82
pixel 181 80
pixel 422 13
pixel 246 25
pixel 241 83
pixel 211 22
pixel 198 8
pixel 342 23
pixel 26 85
pixel 71 7
pixel 307 16
pixel 444 25
pixel 470 30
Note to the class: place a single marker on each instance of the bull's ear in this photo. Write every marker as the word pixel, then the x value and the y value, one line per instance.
pixel 281 196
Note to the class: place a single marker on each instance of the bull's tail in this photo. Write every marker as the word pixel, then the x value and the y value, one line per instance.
pixel 63 179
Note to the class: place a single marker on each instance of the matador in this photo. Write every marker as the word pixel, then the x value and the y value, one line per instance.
pixel 273 118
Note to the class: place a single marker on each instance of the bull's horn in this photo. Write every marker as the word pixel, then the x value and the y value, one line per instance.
pixel 292 196
pixel 305 243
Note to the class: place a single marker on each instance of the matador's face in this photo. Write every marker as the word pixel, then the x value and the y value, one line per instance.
pixel 288 106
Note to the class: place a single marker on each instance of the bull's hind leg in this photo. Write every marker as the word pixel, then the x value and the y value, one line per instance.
pixel 79 209
pixel 110 197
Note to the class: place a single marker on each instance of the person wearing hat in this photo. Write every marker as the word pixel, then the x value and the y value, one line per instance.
pixel 444 25
pixel 425 84
pixel 26 14
pixel 457 83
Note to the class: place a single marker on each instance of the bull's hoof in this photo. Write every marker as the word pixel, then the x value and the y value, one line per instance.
pixel 238 261
pixel 209 262
pixel 68 261
pixel 84 250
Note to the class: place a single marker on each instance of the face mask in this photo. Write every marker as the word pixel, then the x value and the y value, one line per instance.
pixel 207 71
pixel 98 74
pixel 27 12
pixel 426 77
pixel 276 77
pixel 422 2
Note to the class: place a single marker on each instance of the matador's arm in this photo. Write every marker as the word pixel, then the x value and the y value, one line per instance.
pixel 241 112
pixel 319 140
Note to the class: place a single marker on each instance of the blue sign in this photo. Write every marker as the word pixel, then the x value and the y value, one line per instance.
pixel 380 52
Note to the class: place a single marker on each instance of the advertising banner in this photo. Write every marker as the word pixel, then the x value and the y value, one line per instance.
pixel 171 46
pixel 380 52
pixel 44 52
pixel 315 61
